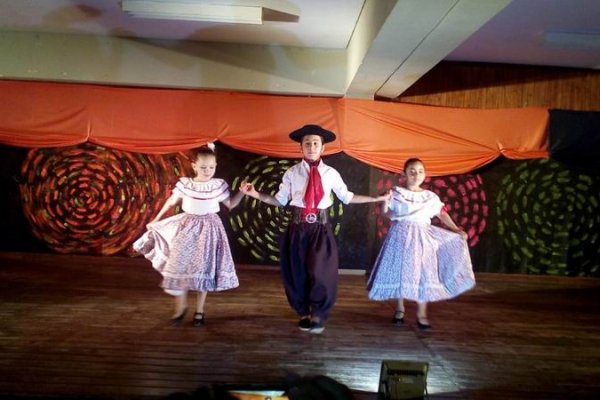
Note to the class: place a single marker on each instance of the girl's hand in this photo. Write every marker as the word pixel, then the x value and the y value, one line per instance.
pixel 150 224
pixel 463 234
pixel 248 189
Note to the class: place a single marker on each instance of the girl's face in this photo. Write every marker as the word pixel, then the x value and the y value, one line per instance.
pixel 204 167
pixel 312 147
pixel 415 174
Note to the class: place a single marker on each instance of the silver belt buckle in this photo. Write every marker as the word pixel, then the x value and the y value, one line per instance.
pixel 310 218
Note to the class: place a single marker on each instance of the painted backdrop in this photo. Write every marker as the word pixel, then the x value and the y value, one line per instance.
pixel 535 216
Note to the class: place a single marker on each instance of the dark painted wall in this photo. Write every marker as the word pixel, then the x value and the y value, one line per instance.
pixel 534 216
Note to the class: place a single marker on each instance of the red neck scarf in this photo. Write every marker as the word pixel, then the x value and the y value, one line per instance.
pixel 314 189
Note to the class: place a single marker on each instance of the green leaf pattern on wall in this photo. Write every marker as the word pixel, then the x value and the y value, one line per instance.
pixel 549 218
pixel 257 226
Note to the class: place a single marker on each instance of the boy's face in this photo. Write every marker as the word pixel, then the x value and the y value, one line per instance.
pixel 205 166
pixel 312 147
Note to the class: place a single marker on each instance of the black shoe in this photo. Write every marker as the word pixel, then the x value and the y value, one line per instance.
pixel 198 320
pixel 178 319
pixel 423 325
pixel 398 317
pixel 304 324
pixel 316 327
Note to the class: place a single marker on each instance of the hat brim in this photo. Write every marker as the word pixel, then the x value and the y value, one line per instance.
pixel 298 134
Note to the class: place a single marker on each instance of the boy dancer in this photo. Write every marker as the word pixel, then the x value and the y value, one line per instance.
pixel 309 254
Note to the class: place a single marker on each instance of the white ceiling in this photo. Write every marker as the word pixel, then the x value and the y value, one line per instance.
pixel 386 45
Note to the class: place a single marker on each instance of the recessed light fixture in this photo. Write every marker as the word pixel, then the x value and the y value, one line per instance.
pixel 195 11
pixel 573 39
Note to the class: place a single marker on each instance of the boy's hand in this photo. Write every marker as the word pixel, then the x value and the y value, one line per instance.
pixel 385 197
pixel 248 189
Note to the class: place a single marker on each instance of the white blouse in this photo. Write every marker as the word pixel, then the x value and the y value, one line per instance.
pixel 419 207
pixel 201 197
pixel 294 182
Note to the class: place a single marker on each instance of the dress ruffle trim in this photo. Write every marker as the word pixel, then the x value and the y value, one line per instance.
pixel 200 284
pixel 431 293
pixel 202 190
pixel 213 184
pixel 404 195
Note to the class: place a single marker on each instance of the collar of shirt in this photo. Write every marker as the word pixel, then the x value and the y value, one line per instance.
pixel 312 163
pixel 307 164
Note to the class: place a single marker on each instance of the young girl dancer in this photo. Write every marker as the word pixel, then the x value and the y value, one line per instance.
pixel 418 261
pixel 190 249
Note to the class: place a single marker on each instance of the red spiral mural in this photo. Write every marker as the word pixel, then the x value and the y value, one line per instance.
pixel 90 199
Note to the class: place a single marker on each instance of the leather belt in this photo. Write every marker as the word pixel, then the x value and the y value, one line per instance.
pixel 301 216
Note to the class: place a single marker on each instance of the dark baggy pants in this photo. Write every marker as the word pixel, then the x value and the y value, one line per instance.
pixel 309 268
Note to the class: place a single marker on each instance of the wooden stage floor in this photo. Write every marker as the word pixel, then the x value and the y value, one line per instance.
pixel 97 327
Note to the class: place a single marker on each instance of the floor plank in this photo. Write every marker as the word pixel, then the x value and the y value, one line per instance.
pixel 74 326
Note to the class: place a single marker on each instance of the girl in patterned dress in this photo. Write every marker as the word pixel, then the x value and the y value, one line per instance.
pixel 190 249
pixel 419 261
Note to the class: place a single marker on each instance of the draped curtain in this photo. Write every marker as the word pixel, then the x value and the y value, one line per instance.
pixel 381 134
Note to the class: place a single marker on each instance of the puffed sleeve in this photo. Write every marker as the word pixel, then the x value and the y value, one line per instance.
pixel 283 196
pixel 435 205
pixel 224 189
pixel 178 188
pixel 394 204
pixel 339 187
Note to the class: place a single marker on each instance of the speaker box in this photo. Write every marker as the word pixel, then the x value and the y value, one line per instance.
pixel 403 380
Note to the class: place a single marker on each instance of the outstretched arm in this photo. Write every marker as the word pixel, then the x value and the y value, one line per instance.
pixel 233 202
pixel 447 220
pixel 358 199
pixel 249 190
pixel 171 201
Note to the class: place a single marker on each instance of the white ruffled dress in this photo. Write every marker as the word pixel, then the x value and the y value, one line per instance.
pixel 191 249
pixel 419 261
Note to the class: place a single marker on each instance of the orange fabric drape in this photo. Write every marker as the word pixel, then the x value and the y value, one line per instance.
pixel 38 115
pixel 381 134
pixel 448 140
pixel 261 124
pixel 150 120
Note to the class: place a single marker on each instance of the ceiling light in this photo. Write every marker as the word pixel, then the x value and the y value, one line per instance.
pixel 582 40
pixel 194 11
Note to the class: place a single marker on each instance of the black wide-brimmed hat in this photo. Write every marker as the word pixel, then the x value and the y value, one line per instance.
pixel 298 134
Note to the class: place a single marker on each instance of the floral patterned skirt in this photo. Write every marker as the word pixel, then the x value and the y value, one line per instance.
pixel 421 263
pixel 191 252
